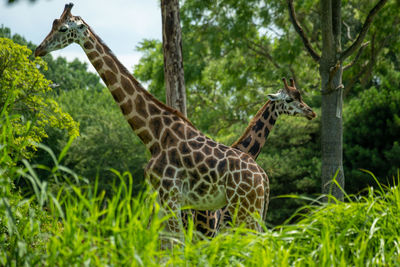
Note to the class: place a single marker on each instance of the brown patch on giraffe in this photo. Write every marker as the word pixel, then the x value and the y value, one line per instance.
pixel 110 63
pixel 221 167
pixel 230 153
pixel 141 106
pixel 155 126
pixel 218 153
pixel 245 187
pixel 118 95
pixel 234 164
pixel 252 196
pixel 194 177
pixel 214 176
pixel 240 191
pixel 98 64
pixel 183 148
pixel 253 167
pixel 88 45
pixel 211 143
pixel 145 136
pixel 127 85
pixel 259 191
pixel 178 128
pixel 198 157
pixel 195 145
pixel 190 133
pixel 243 165
pixel 167 184
pixel 206 150
pixel 211 162
pixel 202 188
pixel 160 164
pixel 126 107
pixel 136 122
pixel 207 178
pixel 200 139
pixel 167 121
pixel 188 162
pixel 173 157
pixel 99 48
pixel 203 169
pixel 155 149
pixel 236 177
pixel 168 139
pixel 110 77
pixel 153 109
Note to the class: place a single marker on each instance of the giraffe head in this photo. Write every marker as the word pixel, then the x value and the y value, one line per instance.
pixel 288 101
pixel 65 30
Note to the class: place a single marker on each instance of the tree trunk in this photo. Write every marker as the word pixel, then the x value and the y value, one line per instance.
pixel 332 91
pixel 173 60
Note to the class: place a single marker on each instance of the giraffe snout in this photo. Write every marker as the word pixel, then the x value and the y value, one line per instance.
pixel 40 52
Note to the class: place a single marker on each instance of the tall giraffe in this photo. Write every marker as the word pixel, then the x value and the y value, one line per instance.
pixel 286 101
pixel 186 167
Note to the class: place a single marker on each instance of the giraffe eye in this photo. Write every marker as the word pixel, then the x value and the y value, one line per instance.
pixel 81 26
pixel 63 29
pixel 289 100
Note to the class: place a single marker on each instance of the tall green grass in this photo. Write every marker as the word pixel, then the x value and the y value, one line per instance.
pixel 68 222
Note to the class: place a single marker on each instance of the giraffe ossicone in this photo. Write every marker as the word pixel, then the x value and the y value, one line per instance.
pixel 186 167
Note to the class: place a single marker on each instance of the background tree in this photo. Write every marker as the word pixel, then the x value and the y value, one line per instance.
pixel 173 59
pixel 331 69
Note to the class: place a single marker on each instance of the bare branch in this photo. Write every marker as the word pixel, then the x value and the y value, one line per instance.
pixel 357 56
pixel 301 32
pixel 348 31
pixel 368 21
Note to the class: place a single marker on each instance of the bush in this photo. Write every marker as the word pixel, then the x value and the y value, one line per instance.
pixel 24 96
pixel 371 137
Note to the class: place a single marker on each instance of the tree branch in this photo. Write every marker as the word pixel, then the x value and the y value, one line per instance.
pixel 301 32
pixel 357 56
pixel 368 21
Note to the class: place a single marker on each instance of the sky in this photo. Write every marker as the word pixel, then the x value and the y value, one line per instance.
pixel 121 24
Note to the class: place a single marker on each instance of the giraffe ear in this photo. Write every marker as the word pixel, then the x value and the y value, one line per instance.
pixel 273 97
pixel 278 96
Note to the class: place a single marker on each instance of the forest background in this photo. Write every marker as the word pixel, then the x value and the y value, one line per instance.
pixel 235 53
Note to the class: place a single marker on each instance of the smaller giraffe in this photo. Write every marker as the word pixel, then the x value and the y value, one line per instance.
pixel 286 101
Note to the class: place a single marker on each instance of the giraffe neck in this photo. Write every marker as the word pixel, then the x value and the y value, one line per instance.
pixel 258 130
pixel 145 114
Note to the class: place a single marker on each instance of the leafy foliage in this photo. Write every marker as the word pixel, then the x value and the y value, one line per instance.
pixel 106 141
pixel 23 92
pixel 371 136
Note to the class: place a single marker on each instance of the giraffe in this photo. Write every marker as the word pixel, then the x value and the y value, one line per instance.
pixel 286 101
pixel 186 167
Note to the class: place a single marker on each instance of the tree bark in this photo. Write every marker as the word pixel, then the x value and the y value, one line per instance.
pixel 332 91
pixel 173 60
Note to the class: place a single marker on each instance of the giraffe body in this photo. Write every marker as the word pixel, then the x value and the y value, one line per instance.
pixel 186 167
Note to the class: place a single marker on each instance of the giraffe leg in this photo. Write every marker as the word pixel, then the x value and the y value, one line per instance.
pixel 170 199
pixel 207 222
pixel 245 208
